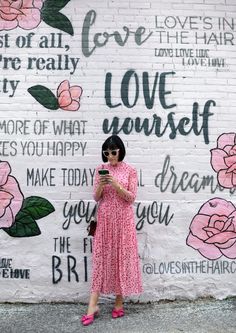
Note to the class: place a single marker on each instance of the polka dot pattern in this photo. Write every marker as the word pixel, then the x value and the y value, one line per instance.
pixel 116 268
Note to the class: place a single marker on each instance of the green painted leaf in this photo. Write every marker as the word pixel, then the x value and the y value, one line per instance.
pixel 44 96
pixel 57 20
pixel 37 207
pixel 25 226
pixel 55 4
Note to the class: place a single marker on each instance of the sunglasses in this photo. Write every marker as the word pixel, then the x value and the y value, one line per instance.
pixel 112 152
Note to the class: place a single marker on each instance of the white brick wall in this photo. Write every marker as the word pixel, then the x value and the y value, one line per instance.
pixel 163 250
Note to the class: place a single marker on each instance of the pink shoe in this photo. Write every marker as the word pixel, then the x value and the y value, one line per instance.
pixel 89 319
pixel 117 313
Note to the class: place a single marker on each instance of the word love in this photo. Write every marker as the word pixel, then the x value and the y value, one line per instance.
pixel 131 79
pixel 130 86
pixel 15 273
pixel 100 39
pixel 189 53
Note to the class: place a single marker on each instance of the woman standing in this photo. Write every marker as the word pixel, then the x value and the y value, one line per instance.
pixel 115 257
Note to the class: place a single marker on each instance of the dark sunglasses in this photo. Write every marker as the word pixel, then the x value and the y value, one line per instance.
pixel 112 152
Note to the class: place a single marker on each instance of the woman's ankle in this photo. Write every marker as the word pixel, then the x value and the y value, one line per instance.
pixel 92 308
pixel 118 303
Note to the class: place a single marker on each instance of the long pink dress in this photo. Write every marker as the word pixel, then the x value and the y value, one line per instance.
pixel 116 267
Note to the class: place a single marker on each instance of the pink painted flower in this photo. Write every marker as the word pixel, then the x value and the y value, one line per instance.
pixel 23 13
pixel 223 160
pixel 213 229
pixel 68 97
pixel 11 197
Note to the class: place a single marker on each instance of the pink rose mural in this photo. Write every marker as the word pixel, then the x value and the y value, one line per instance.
pixel 11 198
pixel 213 230
pixel 67 99
pixel 18 215
pixel 223 160
pixel 28 14
pixel 20 13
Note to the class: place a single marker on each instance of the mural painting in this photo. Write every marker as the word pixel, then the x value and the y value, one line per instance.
pixel 73 73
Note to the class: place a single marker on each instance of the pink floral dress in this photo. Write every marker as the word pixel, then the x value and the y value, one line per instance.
pixel 116 267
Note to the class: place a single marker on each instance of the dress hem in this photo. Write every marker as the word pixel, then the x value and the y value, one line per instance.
pixel 117 293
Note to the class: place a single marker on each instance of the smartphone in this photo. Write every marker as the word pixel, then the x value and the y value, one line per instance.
pixel 103 172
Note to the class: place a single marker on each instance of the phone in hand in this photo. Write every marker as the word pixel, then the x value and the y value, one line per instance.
pixel 103 172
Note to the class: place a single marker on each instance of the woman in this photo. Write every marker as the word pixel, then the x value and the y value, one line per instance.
pixel 115 257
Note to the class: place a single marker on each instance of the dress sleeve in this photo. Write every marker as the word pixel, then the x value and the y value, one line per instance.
pixel 132 186
pixel 95 186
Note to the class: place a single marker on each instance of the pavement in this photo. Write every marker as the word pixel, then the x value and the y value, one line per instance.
pixel 201 316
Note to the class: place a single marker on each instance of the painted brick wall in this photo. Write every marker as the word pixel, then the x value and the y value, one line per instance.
pixel 161 75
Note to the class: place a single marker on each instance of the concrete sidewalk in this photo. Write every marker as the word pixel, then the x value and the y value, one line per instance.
pixel 202 316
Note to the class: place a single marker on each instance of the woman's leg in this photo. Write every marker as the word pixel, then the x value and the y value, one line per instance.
pixel 92 307
pixel 119 302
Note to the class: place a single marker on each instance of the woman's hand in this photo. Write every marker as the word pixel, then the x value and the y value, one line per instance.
pixel 109 180
pixel 112 181
pixel 103 181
